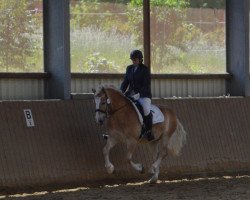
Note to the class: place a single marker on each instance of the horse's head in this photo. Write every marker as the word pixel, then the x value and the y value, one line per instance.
pixel 101 104
pixel 108 101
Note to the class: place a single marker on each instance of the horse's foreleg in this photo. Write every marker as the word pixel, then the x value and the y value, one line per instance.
pixel 109 145
pixel 131 145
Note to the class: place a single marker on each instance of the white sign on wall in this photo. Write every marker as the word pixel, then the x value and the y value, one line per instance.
pixel 29 118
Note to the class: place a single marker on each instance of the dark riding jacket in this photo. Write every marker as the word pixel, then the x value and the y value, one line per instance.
pixel 138 80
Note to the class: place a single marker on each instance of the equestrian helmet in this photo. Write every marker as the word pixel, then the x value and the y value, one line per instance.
pixel 136 54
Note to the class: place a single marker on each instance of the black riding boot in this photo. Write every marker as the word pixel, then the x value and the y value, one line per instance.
pixel 148 127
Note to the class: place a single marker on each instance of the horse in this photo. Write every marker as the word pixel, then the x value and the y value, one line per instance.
pixel 123 125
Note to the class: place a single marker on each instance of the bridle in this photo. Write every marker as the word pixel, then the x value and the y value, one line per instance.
pixel 103 111
pixel 108 110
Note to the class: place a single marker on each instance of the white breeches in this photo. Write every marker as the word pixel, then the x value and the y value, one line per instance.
pixel 145 102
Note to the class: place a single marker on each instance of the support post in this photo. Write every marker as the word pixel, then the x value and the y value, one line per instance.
pixel 237 43
pixel 56 20
pixel 146 32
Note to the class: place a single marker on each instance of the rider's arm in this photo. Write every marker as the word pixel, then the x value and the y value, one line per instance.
pixel 125 82
pixel 146 81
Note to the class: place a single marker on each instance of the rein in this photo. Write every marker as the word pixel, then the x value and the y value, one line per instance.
pixel 101 111
pixel 111 112
pixel 114 111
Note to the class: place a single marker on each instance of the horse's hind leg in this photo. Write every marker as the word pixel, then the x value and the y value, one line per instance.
pixel 131 145
pixel 162 153
pixel 156 167
pixel 109 145
pixel 154 147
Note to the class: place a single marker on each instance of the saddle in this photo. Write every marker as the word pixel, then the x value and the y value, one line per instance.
pixel 157 115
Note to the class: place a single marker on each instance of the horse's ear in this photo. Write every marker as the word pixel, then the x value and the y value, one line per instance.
pixel 93 90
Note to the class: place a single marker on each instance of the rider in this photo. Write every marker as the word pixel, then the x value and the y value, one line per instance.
pixel 138 80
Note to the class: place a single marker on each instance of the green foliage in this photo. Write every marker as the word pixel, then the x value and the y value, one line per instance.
pixel 98 64
pixel 93 13
pixel 168 39
pixel 17 32
pixel 174 39
pixel 218 4
pixel 167 3
pixel 117 1
pixel 78 13
pixel 112 46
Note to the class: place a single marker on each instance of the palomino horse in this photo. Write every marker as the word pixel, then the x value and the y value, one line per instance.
pixel 123 125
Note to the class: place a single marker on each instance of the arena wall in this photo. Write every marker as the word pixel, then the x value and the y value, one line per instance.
pixel 64 147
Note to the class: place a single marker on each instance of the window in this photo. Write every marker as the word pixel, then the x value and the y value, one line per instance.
pixel 188 36
pixel 21 36
pixel 102 35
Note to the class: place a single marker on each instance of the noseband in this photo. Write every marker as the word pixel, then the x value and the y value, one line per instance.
pixel 103 111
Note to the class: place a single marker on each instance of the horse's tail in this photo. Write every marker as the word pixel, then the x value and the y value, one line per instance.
pixel 177 140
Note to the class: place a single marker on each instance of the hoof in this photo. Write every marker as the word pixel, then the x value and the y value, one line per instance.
pixel 153 180
pixel 110 169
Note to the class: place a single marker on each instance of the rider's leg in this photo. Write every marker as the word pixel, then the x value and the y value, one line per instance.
pixel 146 102
pixel 148 127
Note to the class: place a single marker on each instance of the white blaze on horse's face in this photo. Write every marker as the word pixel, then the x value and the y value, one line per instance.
pixel 100 109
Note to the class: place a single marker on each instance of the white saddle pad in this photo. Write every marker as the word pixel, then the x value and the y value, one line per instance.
pixel 157 114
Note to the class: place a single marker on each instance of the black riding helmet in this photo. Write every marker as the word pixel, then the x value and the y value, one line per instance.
pixel 136 54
